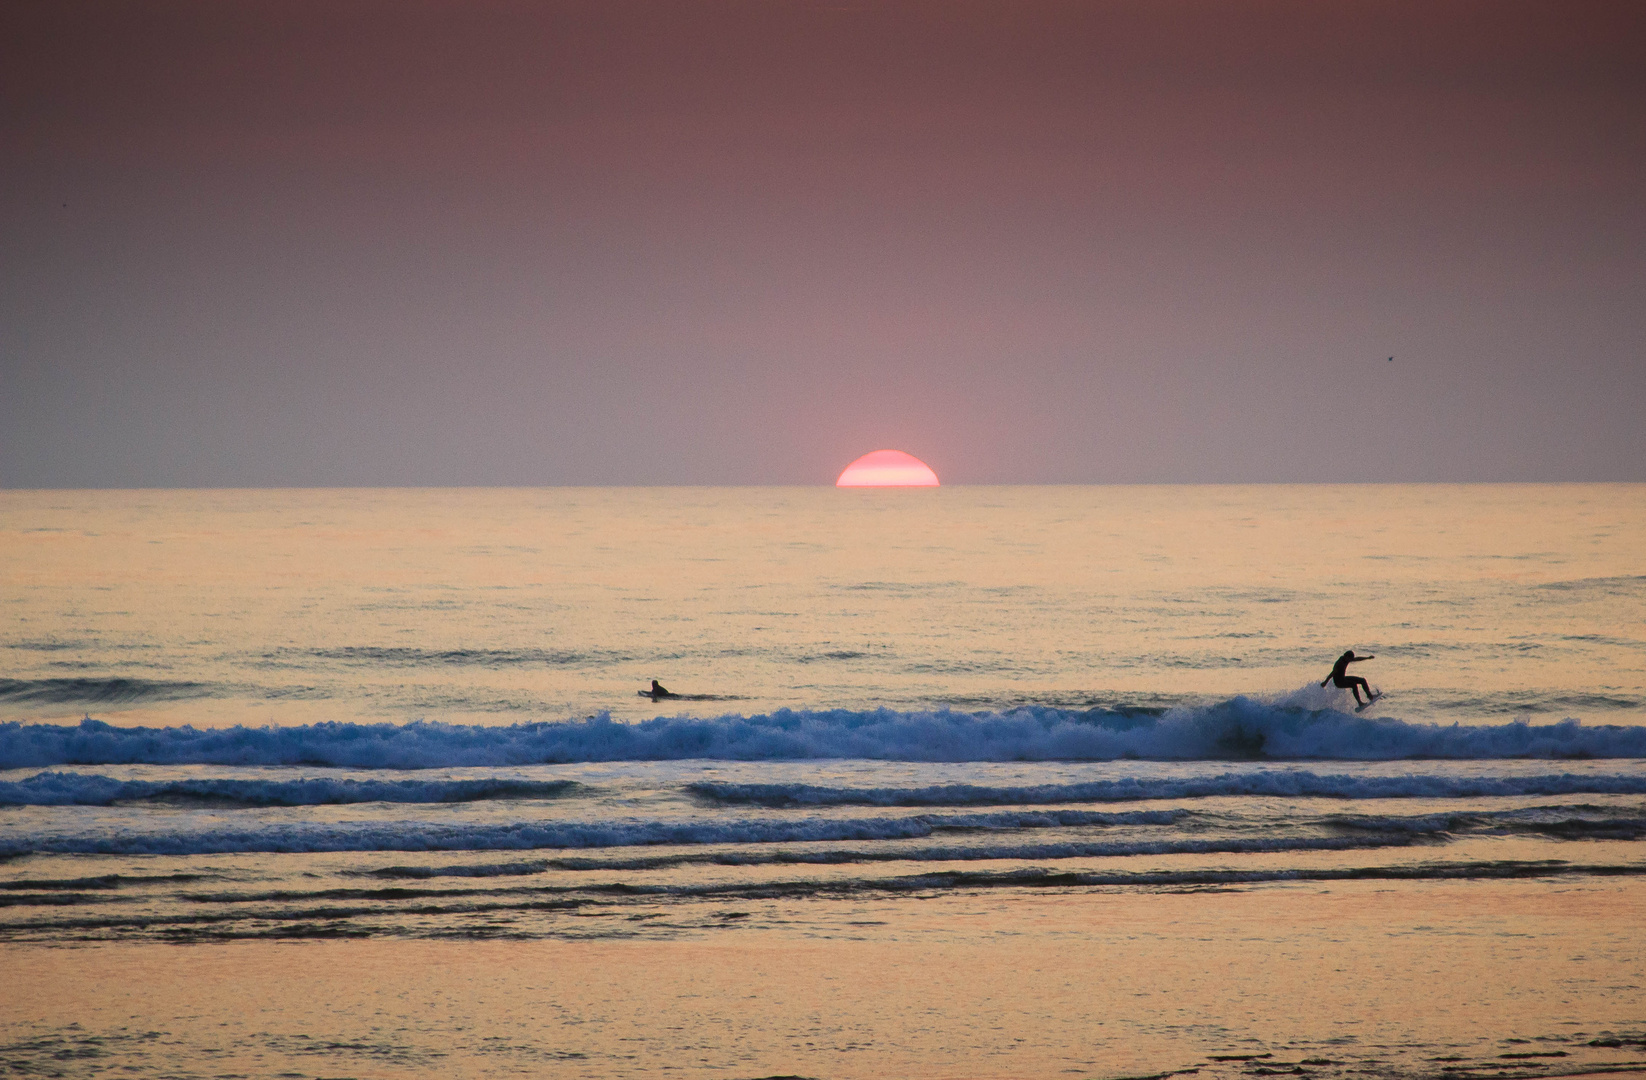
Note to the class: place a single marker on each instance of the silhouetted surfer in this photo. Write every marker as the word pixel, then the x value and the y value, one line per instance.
pixel 657 691
pixel 1340 677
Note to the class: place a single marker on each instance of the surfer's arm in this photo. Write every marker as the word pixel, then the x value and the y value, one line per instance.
pixel 1358 659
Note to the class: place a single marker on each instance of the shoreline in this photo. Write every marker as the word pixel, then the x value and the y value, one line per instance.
pixel 1510 978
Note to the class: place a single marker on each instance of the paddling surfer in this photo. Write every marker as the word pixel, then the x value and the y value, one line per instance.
pixel 657 691
pixel 1340 677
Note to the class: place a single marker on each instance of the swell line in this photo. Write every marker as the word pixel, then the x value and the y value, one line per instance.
pixel 1296 727
pixel 78 789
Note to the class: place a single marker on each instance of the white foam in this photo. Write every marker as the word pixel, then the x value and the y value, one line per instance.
pixel 1293 727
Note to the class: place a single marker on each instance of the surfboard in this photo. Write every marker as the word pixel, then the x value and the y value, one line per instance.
pixel 1368 703
pixel 655 697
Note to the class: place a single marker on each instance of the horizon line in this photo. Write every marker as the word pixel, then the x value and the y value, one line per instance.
pixel 832 486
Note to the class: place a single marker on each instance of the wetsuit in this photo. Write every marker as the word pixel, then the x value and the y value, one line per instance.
pixel 1341 678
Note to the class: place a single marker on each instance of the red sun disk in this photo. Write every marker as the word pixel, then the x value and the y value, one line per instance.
pixel 887 468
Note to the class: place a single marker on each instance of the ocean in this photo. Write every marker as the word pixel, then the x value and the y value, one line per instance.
pixel 959 782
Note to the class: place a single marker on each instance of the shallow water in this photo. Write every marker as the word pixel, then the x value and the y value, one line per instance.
pixel 1508 980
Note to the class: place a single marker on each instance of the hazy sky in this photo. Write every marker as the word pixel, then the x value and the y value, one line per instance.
pixel 745 241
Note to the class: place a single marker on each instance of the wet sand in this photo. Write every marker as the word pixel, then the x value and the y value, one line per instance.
pixel 1462 980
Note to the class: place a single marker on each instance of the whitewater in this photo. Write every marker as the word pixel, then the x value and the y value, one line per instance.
pixel 1242 728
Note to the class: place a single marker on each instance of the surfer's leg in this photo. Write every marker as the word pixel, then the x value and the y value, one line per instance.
pixel 1355 683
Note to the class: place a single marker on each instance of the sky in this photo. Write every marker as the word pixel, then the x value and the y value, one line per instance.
pixel 335 242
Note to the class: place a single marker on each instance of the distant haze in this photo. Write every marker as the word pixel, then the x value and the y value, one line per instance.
pixel 327 242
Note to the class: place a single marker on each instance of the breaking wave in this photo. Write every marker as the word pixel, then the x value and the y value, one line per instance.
pixel 1300 726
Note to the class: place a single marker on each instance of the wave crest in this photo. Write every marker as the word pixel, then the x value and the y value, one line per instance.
pixel 1295 727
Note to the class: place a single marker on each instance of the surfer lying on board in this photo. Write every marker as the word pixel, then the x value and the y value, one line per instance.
pixel 1340 677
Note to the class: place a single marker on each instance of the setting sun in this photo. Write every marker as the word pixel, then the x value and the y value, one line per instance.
pixel 887 468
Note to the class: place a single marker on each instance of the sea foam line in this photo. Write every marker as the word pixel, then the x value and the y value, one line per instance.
pixel 1271 783
pixel 420 836
pixel 80 789
pixel 53 788
pixel 530 835
pixel 1300 726
pixel 962 835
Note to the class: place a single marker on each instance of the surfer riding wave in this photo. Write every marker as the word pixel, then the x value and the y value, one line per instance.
pixel 1340 677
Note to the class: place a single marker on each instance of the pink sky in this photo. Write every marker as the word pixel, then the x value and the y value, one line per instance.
pixel 744 241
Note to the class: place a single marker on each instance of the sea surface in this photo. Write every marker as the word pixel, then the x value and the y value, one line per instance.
pixel 230 719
